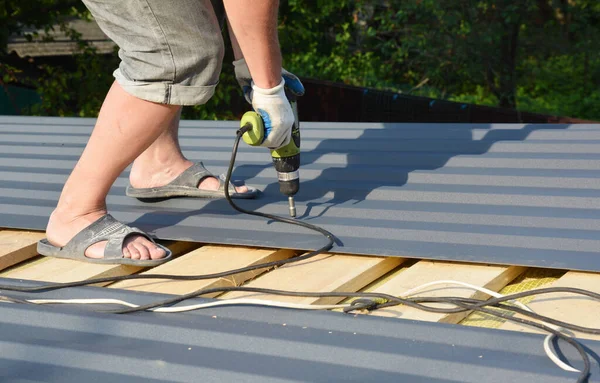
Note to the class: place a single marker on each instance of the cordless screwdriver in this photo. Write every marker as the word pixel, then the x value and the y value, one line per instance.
pixel 286 159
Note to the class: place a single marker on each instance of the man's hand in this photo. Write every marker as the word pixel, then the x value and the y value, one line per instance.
pixel 243 77
pixel 276 112
pixel 271 104
pixel 253 30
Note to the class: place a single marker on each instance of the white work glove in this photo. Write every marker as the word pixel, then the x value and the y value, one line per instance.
pixel 276 112
pixel 243 77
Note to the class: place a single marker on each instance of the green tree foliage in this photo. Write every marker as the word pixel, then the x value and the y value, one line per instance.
pixel 79 88
pixel 64 91
pixel 534 55
pixel 42 14
pixel 537 55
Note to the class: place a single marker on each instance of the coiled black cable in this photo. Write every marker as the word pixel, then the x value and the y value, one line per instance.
pixel 368 299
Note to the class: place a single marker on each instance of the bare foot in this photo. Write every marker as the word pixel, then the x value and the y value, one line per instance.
pixel 150 176
pixel 64 226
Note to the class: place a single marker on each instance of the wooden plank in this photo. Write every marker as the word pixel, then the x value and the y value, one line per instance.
pixel 206 260
pixel 17 246
pixel 325 272
pixel 531 279
pixel 67 270
pixel 490 277
pixel 571 308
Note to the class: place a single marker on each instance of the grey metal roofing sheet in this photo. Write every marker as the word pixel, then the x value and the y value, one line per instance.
pixel 490 193
pixel 249 344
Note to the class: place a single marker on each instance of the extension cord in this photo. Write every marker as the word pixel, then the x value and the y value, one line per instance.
pixel 462 304
pixel 269 303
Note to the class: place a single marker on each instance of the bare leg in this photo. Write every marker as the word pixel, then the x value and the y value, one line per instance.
pixel 163 161
pixel 126 126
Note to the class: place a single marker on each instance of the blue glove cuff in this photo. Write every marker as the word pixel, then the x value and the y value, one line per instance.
pixel 267 121
pixel 293 83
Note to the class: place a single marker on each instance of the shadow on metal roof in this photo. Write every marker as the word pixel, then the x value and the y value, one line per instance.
pixel 490 193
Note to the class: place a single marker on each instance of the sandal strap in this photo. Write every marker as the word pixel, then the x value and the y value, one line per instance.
pixel 114 246
pixel 192 176
pixel 222 178
pixel 106 228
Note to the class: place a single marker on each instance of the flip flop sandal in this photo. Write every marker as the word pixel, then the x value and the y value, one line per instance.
pixel 104 229
pixel 186 185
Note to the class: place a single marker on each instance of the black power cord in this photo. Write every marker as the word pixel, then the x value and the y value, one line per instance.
pixel 368 300
pixel 371 301
pixel 330 242
pixel 330 237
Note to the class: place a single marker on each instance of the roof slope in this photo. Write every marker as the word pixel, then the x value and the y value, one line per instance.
pixel 67 344
pixel 490 193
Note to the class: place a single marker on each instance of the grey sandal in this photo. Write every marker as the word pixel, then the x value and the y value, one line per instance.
pixel 104 229
pixel 186 185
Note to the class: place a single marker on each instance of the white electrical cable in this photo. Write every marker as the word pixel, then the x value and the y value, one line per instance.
pixel 257 302
pixel 547 341
pixel 178 309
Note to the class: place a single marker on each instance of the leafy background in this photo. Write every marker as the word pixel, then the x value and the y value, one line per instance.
pixel 535 55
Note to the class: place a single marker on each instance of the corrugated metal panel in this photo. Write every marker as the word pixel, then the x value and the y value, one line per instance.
pixel 243 344
pixel 491 193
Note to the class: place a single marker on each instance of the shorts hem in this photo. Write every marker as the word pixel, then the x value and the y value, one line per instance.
pixel 167 93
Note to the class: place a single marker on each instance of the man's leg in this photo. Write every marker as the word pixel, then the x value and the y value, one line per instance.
pixel 171 54
pixel 126 126
pixel 163 161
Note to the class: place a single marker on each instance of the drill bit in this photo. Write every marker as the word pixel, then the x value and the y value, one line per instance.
pixel 292 206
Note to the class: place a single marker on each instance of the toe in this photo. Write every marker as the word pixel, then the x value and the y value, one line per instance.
pixel 212 183
pixel 156 252
pixel 241 189
pixel 133 250
pixel 143 250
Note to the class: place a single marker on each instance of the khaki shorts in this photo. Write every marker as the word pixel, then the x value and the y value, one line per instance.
pixel 171 51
